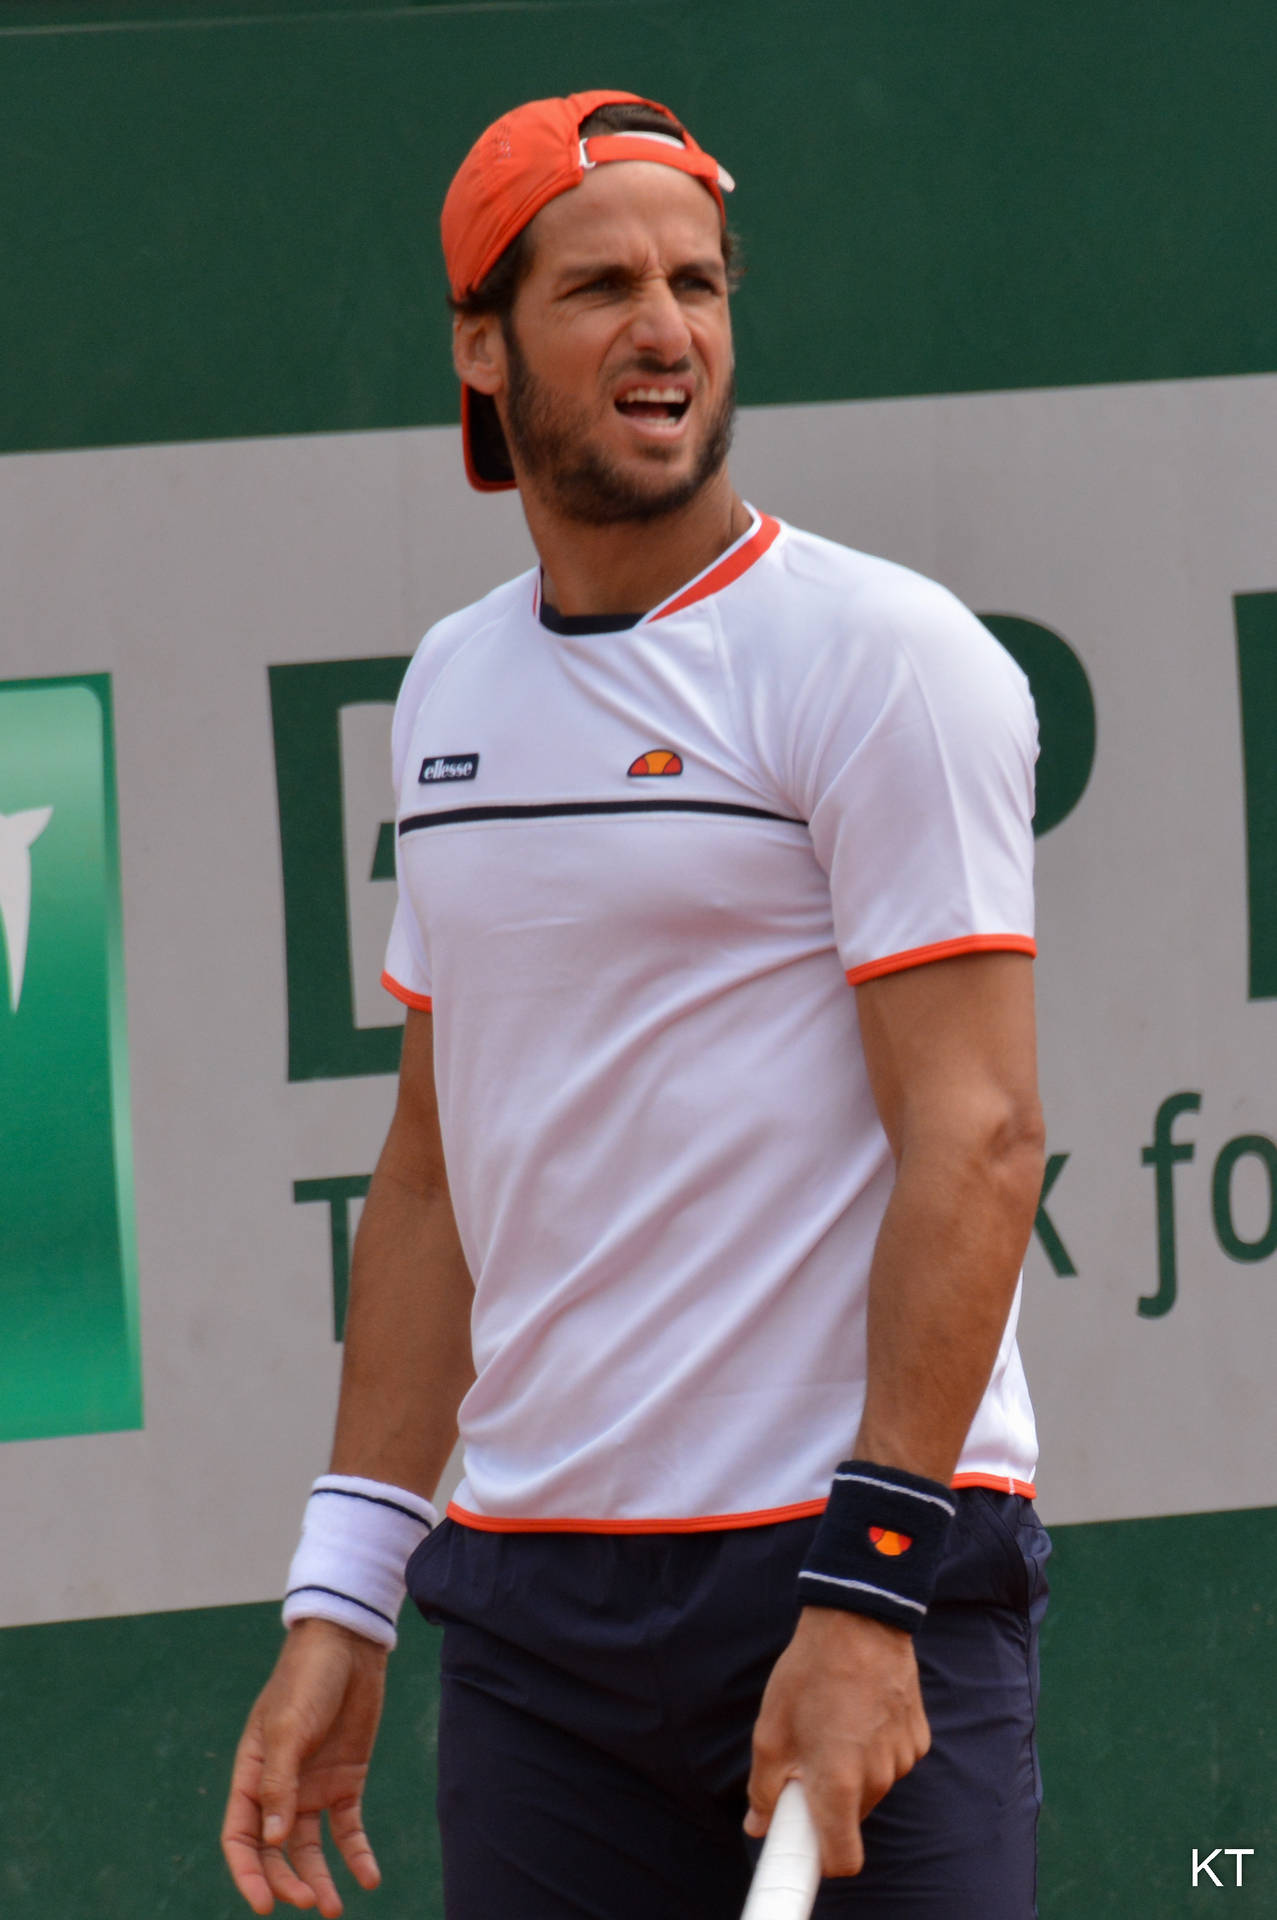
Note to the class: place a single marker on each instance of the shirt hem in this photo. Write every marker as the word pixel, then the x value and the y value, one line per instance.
pixel 698 1522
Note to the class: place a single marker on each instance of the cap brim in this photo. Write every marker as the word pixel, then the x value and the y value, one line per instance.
pixel 487 457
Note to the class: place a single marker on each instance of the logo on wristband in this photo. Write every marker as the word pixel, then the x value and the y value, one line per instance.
pixel 887 1541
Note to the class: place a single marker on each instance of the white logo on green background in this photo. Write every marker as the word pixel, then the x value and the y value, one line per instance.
pixel 69 1358
pixel 18 832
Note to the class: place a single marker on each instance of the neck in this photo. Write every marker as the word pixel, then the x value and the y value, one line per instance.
pixel 632 566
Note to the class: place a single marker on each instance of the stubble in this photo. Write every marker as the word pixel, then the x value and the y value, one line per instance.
pixel 550 438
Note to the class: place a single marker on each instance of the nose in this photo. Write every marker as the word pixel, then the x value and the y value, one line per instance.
pixel 659 326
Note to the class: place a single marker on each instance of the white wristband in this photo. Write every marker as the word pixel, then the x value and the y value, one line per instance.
pixel 357 1538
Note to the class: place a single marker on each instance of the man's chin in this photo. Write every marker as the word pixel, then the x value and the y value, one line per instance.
pixel 599 491
pixel 612 474
pixel 636 498
pixel 640 460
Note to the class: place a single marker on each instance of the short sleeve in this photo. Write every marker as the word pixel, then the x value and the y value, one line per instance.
pixel 915 746
pixel 406 973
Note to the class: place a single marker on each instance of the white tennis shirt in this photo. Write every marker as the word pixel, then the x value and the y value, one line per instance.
pixel 636 872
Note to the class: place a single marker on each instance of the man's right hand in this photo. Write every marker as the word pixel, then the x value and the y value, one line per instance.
pixel 304 1752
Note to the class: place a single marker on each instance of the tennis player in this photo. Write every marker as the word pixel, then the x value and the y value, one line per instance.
pixel 716 1151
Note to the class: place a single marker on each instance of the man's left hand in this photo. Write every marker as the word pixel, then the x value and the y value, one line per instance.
pixel 842 1712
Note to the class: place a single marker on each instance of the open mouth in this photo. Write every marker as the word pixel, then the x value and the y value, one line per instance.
pixel 660 405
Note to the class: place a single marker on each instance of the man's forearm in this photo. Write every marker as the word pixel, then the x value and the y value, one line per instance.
pixel 407 1361
pixel 940 1289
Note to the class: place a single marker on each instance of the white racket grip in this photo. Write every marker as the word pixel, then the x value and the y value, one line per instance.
pixel 788 1871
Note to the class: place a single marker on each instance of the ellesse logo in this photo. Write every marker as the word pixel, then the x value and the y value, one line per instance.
pixel 448 766
pixel 889 1542
pixel 658 760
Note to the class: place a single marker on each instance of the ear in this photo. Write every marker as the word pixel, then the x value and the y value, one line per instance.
pixel 478 351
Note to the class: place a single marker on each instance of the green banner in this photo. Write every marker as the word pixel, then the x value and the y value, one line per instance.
pixel 68 1264
pixel 227 225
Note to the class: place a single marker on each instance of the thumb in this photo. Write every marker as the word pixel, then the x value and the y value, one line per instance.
pixel 281 1762
pixel 766 1779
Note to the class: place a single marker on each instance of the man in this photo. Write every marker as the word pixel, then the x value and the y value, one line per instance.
pixel 713 1256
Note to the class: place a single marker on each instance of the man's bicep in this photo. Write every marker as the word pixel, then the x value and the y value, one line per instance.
pixel 951 1047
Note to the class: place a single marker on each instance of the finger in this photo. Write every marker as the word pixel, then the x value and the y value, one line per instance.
pixel 246 1871
pixel 881 1774
pixel 283 1882
pixel 305 1851
pixel 921 1738
pixel 284 1742
pixel 836 1812
pixel 346 1823
pixel 241 1830
pixel 770 1770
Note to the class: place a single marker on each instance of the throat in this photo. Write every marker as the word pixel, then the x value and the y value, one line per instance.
pixel 569 623
pixel 603 573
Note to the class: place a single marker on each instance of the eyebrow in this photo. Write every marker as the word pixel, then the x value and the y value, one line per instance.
pixel 711 266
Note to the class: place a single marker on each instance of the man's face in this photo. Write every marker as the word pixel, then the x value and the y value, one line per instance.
pixel 619 397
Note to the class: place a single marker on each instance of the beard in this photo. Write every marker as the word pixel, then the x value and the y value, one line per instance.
pixel 551 438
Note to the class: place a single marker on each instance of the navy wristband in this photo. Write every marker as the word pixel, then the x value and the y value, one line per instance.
pixel 877 1548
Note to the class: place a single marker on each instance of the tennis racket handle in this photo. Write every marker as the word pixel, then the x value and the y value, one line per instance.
pixel 788 1870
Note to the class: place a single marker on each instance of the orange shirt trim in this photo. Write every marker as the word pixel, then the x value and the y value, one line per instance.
pixel 421 1001
pixel 943 950
pixel 699 1522
pixel 728 569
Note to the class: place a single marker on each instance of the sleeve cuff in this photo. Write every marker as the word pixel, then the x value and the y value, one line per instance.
pixel 942 950
pixel 421 1001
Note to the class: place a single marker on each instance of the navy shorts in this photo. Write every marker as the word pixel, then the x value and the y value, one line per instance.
pixel 599 1693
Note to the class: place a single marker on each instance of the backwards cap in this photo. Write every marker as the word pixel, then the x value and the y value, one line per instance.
pixel 523 160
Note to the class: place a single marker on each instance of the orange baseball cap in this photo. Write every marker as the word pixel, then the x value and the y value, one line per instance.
pixel 523 160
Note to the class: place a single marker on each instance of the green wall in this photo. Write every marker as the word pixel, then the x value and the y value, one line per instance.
pixel 219 224
pixel 1159 1734
pixel 118 1742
